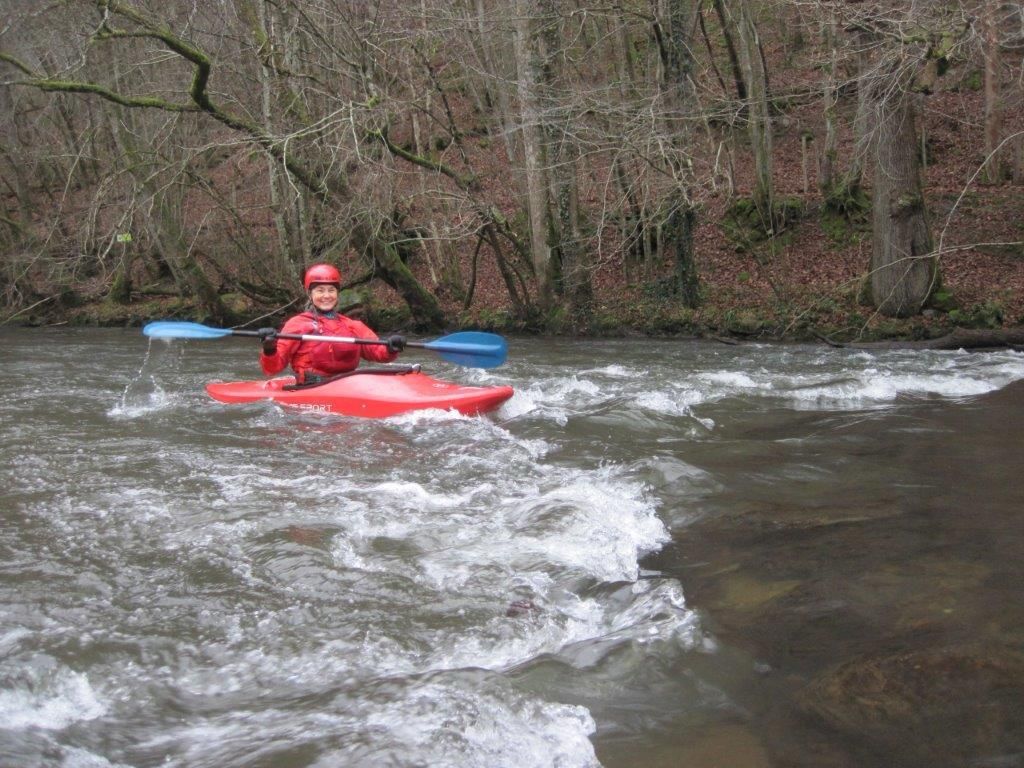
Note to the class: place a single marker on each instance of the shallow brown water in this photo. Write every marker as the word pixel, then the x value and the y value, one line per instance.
pixel 871 566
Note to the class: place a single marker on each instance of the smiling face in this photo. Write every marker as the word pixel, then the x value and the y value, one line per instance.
pixel 324 296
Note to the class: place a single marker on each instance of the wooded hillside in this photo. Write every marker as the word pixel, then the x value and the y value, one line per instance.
pixel 767 168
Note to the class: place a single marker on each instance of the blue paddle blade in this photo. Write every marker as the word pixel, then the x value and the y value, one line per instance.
pixel 473 349
pixel 179 329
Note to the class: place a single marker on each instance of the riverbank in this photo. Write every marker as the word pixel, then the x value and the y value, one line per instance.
pixel 823 320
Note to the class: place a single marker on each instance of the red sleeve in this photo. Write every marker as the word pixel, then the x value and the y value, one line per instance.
pixel 378 353
pixel 277 362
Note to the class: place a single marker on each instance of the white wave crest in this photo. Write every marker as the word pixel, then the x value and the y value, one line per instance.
pixel 61 698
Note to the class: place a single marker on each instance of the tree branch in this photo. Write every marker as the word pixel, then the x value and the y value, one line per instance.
pixel 201 101
pixel 71 86
pixel 424 162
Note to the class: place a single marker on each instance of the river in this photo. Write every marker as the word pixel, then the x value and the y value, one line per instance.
pixel 656 553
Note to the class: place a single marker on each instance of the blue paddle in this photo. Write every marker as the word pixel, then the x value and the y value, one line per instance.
pixel 473 349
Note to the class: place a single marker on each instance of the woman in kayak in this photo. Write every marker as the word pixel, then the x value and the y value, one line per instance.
pixel 314 361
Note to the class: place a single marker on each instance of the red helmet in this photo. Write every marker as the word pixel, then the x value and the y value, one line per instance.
pixel 321 273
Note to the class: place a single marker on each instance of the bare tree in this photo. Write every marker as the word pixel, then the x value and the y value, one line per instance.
pixel 759 122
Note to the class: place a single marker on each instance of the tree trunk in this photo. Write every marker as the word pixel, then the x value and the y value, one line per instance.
pixel 853 176
pixel 515 287
pixel 527 78
pixel 734 61
pixel 993 119
pixel 677 228
pixel 286 257
pixel 165 226
pixel 903 269
pixel 679 231
pixel 759 118
pixel 491 61
pixel 121 286
pixel 426 312
pixel 576 266
pixel 827 166
pixel 624 59
pixel 15 179
pixel 573 267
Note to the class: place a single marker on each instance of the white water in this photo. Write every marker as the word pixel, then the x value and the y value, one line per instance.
pixel 193 584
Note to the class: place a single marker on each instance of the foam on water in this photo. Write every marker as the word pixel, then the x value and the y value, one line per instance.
pixel 135 404
pixel 857 380
pixel 471 551
pixel 560 623
pixel 447 727
pixel 427 416
pixel 10 639
pixel 555 397
pixel 83 758
pixel 452 720
pixel 523 401
pixel 596 524
pixel 51 700
pixel 676 402
pixel 732 380
pixel 615 371
pixel 874 385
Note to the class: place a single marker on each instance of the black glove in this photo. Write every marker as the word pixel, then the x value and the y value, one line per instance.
pixel 269 338
pixel 396 343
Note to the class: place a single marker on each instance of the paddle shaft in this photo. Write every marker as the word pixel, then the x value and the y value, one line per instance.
pixel 311 337
pixel 329 339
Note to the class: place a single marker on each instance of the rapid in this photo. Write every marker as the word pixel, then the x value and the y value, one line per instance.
pixel 617 568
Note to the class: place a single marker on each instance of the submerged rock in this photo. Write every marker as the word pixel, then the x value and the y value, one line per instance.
pixel 942 706
pixel 741 592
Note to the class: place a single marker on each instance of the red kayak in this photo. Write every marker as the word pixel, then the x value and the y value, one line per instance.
pixel 371 393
